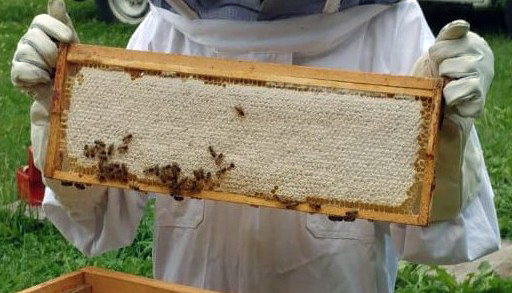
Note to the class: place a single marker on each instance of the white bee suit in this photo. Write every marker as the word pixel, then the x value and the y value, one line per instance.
pixel 237 248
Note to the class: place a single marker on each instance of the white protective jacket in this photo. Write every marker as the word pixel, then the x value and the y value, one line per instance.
pixel 237 248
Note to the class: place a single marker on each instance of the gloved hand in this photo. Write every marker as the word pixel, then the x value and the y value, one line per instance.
pixel 466 60
pixel 36 54
pixel 32 70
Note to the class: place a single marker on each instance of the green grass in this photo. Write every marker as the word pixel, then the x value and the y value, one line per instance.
pixel 495 129
pixel 33 251
pixel 14 120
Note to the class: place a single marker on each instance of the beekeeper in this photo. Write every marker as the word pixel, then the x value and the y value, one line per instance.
pixel 237 248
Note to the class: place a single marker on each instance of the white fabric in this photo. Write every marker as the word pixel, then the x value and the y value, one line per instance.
pixel 236 248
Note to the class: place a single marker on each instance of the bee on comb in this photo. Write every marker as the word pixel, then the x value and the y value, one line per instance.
pixel 212 152
pixel 110 150
pixel 122 149
pixel 128 138
pixel 219 159
pixel 239 111
pixel 100 143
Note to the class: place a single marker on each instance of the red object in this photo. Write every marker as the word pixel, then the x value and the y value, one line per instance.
pixel 30 183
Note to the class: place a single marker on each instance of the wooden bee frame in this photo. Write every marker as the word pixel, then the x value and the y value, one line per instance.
pixel 425 91
pixel 96 280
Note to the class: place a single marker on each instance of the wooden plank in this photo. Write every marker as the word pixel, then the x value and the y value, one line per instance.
pixel 419 86
pixel 327 209
pixel 58 285
pixel 81 289
pixel 104 281
pixel 52 151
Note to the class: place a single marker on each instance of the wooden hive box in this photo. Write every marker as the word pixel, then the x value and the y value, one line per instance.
pixel 349 144
pixel 94 280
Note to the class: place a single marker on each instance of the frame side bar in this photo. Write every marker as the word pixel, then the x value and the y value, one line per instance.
pixel 52 156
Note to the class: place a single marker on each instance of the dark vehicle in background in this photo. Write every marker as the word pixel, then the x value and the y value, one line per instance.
pixel 133 11
pixel 126 11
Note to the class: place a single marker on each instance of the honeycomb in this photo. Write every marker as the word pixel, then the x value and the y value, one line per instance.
pixel 292 142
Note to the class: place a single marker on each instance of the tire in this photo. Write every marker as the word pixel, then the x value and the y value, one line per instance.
pixel 126 11
pixel 507 10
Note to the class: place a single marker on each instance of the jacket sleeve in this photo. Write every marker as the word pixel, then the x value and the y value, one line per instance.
pixel 107 218
pixel 110 223
pixel 473 232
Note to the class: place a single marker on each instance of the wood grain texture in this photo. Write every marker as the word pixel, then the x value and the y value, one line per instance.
pixel 59 285
pixel 52 151
pixel 104 281
pixel 429 177
pixel 78 54
pixel 268 72
pixel 80 289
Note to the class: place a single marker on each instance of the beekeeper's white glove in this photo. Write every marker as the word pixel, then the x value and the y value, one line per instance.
pixel 32 71
pixel 465 59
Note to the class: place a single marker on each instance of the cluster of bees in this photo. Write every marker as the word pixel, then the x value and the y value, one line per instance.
pixel 171 176
pixel 109 170
pixel 219 162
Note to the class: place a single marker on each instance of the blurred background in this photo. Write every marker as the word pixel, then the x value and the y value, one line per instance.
pixel 495 14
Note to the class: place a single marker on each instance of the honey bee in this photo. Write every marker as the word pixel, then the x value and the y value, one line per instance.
pixel 134 187
pixel 151 170
pixel 212 152
pixel 292 204
pixel 127 139
pixel 103 155
pixel 124 170
pixel 199 174
pixel 351 216
pixel 274 190
pixel 196 186
pixel 208 176
pixel 181 183
pixel 231 166
pixel 221 172
pixel 239 111
pixel 219 159
pixel 178 198
pixel 110 151
pixel 100 143
pixel 122 149
pixel 86 151
pixel 79 186
pixel 176 170
pixel 315 206
pixel 101 177
pixel 90 152
pixel 287 202
pixel 336 218
pixel 66 183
